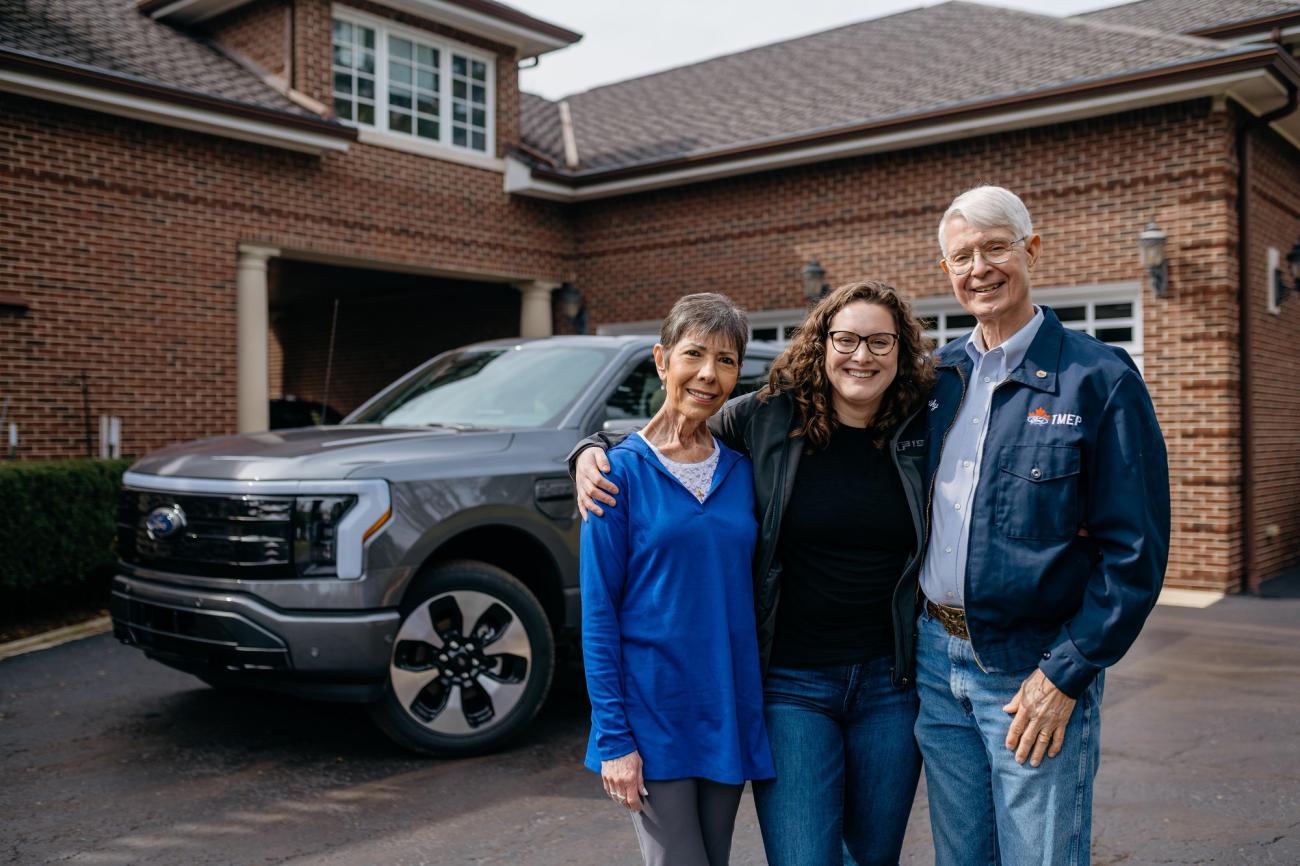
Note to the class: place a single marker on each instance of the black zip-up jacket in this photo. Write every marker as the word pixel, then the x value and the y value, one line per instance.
pixel 761 429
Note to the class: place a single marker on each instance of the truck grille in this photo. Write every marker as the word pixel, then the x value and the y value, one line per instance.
pixel 238 536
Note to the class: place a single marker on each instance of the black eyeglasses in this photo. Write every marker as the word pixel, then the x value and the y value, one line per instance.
pixel 846 342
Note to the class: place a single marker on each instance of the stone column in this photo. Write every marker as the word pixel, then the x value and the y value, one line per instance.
pixel 535 308
pixel 252 387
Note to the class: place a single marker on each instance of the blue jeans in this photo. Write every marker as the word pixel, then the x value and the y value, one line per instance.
pixel 984 807
pixel 846 765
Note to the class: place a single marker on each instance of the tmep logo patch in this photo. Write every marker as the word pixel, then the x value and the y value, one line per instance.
pixel 1040 417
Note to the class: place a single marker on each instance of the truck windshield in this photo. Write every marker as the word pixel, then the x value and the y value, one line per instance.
pixel 491 388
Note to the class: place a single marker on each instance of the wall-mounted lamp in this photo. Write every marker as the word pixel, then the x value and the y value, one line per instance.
pixel 1280 287
pixel 572 306
pixel 1151 249
pixel 814 285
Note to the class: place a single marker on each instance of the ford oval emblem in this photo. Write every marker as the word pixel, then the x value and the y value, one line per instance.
pixel 164 522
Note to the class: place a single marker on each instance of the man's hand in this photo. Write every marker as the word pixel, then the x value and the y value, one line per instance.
pixel 1041 713
pixel 591 483
pixel 623 781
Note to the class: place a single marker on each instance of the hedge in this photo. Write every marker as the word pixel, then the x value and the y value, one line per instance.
pixel 57 536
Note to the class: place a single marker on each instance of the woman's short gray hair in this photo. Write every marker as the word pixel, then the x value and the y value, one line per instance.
pixel 706 314
pixel 988 207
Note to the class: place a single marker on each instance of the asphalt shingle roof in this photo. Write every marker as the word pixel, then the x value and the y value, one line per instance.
pixel 1186 16
pixel 113 36
pixel 924 60
pixel 540 120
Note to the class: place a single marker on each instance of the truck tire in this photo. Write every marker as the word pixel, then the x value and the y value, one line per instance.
pixel 471 663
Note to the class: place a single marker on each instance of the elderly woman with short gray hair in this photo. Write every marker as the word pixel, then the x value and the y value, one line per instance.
pixel 669 637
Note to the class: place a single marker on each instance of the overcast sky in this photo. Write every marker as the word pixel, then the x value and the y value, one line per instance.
pixel 623 39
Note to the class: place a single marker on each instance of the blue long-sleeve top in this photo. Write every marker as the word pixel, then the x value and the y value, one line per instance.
pixel 668 636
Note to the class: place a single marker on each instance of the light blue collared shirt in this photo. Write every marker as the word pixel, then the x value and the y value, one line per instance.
pixel 944 570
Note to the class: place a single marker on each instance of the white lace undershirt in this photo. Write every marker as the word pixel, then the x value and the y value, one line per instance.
pixel 695 477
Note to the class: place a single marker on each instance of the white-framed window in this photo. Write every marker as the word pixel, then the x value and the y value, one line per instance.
pixel 1110 312
pixel 774 326
pixel 404 82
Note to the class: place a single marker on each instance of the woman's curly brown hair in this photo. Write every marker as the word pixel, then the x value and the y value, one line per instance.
pixel 800 370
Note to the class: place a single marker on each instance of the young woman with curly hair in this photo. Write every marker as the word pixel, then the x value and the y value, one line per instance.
pixel 837 438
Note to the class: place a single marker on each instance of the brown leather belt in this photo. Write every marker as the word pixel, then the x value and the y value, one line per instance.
pixel 952 618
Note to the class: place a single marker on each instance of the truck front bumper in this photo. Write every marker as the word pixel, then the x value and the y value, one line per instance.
pixel 234 636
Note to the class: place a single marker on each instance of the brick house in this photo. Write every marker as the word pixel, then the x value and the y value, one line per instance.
pixel 208 203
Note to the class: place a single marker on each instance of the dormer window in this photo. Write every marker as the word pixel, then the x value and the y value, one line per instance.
pixel 402 81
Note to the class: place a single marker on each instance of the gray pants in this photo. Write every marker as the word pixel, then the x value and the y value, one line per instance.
pixel 687 822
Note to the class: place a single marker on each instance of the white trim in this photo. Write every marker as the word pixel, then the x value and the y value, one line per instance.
pixel 373 502
pixel 166 113
pixel 424 147
pixel 779 319
pixel 1273 265
pixel 446 47
pixel 529 42
pixel 522 183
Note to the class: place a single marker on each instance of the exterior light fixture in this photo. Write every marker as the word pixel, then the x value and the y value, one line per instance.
pixel 1151 249
pixel 572 306
pixel 1280 286
pixel 814 285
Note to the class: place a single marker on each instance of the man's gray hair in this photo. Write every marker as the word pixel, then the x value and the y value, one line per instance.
pixel 706 314
pixel 988 207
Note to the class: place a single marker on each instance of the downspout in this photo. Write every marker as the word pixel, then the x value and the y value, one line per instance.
pixel 1245 331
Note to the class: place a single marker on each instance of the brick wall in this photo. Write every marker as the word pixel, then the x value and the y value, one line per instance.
pixel 259 32
pixel 1275 362
pixel 1091 187
pixel 123 238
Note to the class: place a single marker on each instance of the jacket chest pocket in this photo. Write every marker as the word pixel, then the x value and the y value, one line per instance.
pixel 1038 492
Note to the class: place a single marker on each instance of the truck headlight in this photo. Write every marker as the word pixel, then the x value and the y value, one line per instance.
pixel 315 532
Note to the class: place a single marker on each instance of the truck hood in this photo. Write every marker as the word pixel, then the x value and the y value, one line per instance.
pixel 315 453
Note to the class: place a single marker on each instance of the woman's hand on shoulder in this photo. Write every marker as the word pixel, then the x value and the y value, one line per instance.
pixel 623 781
pixel 592 485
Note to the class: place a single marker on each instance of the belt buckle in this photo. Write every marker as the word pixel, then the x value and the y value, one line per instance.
pixel 953 619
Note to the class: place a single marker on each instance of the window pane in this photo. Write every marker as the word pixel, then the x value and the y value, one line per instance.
pixel 961 321
pixel 458 64
pixel 478 141
pixel 399 73
pixel 342 83
pixel 479 70
pixel 399 98
pixel 368 62
pixel 427 128
pixel 1071 314
pixel 366 114
pixel 426 55
pixel 343 108
pixel 479 117
pixel 399 48
pixel 458 136
pixel 342 31
pixel 790 331
pixel 399 122
pixel 765 333
pixel 479 94
pixel 458 89
pixel 426 80
pixel 365 88
pixel 1115 335
pixel 459 114
pixel 1113 311
pixel 342 56
pixel 426 104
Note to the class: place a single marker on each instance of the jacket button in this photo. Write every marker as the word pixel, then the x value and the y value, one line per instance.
pixel 1035 473
pixel 1047 655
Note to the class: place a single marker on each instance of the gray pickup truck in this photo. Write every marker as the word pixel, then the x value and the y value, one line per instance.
pixel 421 557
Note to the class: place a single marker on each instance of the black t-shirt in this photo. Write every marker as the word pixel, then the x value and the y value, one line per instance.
pixel 845 538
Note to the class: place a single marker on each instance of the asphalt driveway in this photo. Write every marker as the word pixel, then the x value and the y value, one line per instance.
pixel 108 758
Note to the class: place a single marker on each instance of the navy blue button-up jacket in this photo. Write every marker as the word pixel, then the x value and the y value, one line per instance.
pixel 1069 534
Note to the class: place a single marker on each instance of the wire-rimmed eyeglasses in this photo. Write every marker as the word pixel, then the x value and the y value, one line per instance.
pixel 847 342
pixel 993 253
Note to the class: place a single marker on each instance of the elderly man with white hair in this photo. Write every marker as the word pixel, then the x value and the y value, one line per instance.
pixel 1049 535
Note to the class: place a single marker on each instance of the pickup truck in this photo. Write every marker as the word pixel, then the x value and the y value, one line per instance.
pixel 421 557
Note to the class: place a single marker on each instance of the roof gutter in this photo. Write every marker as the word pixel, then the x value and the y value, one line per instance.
pixel 1237 29
pixel 125 96
pixel 1241 70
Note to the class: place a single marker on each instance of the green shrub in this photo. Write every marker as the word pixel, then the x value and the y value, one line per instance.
pixel 57 536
